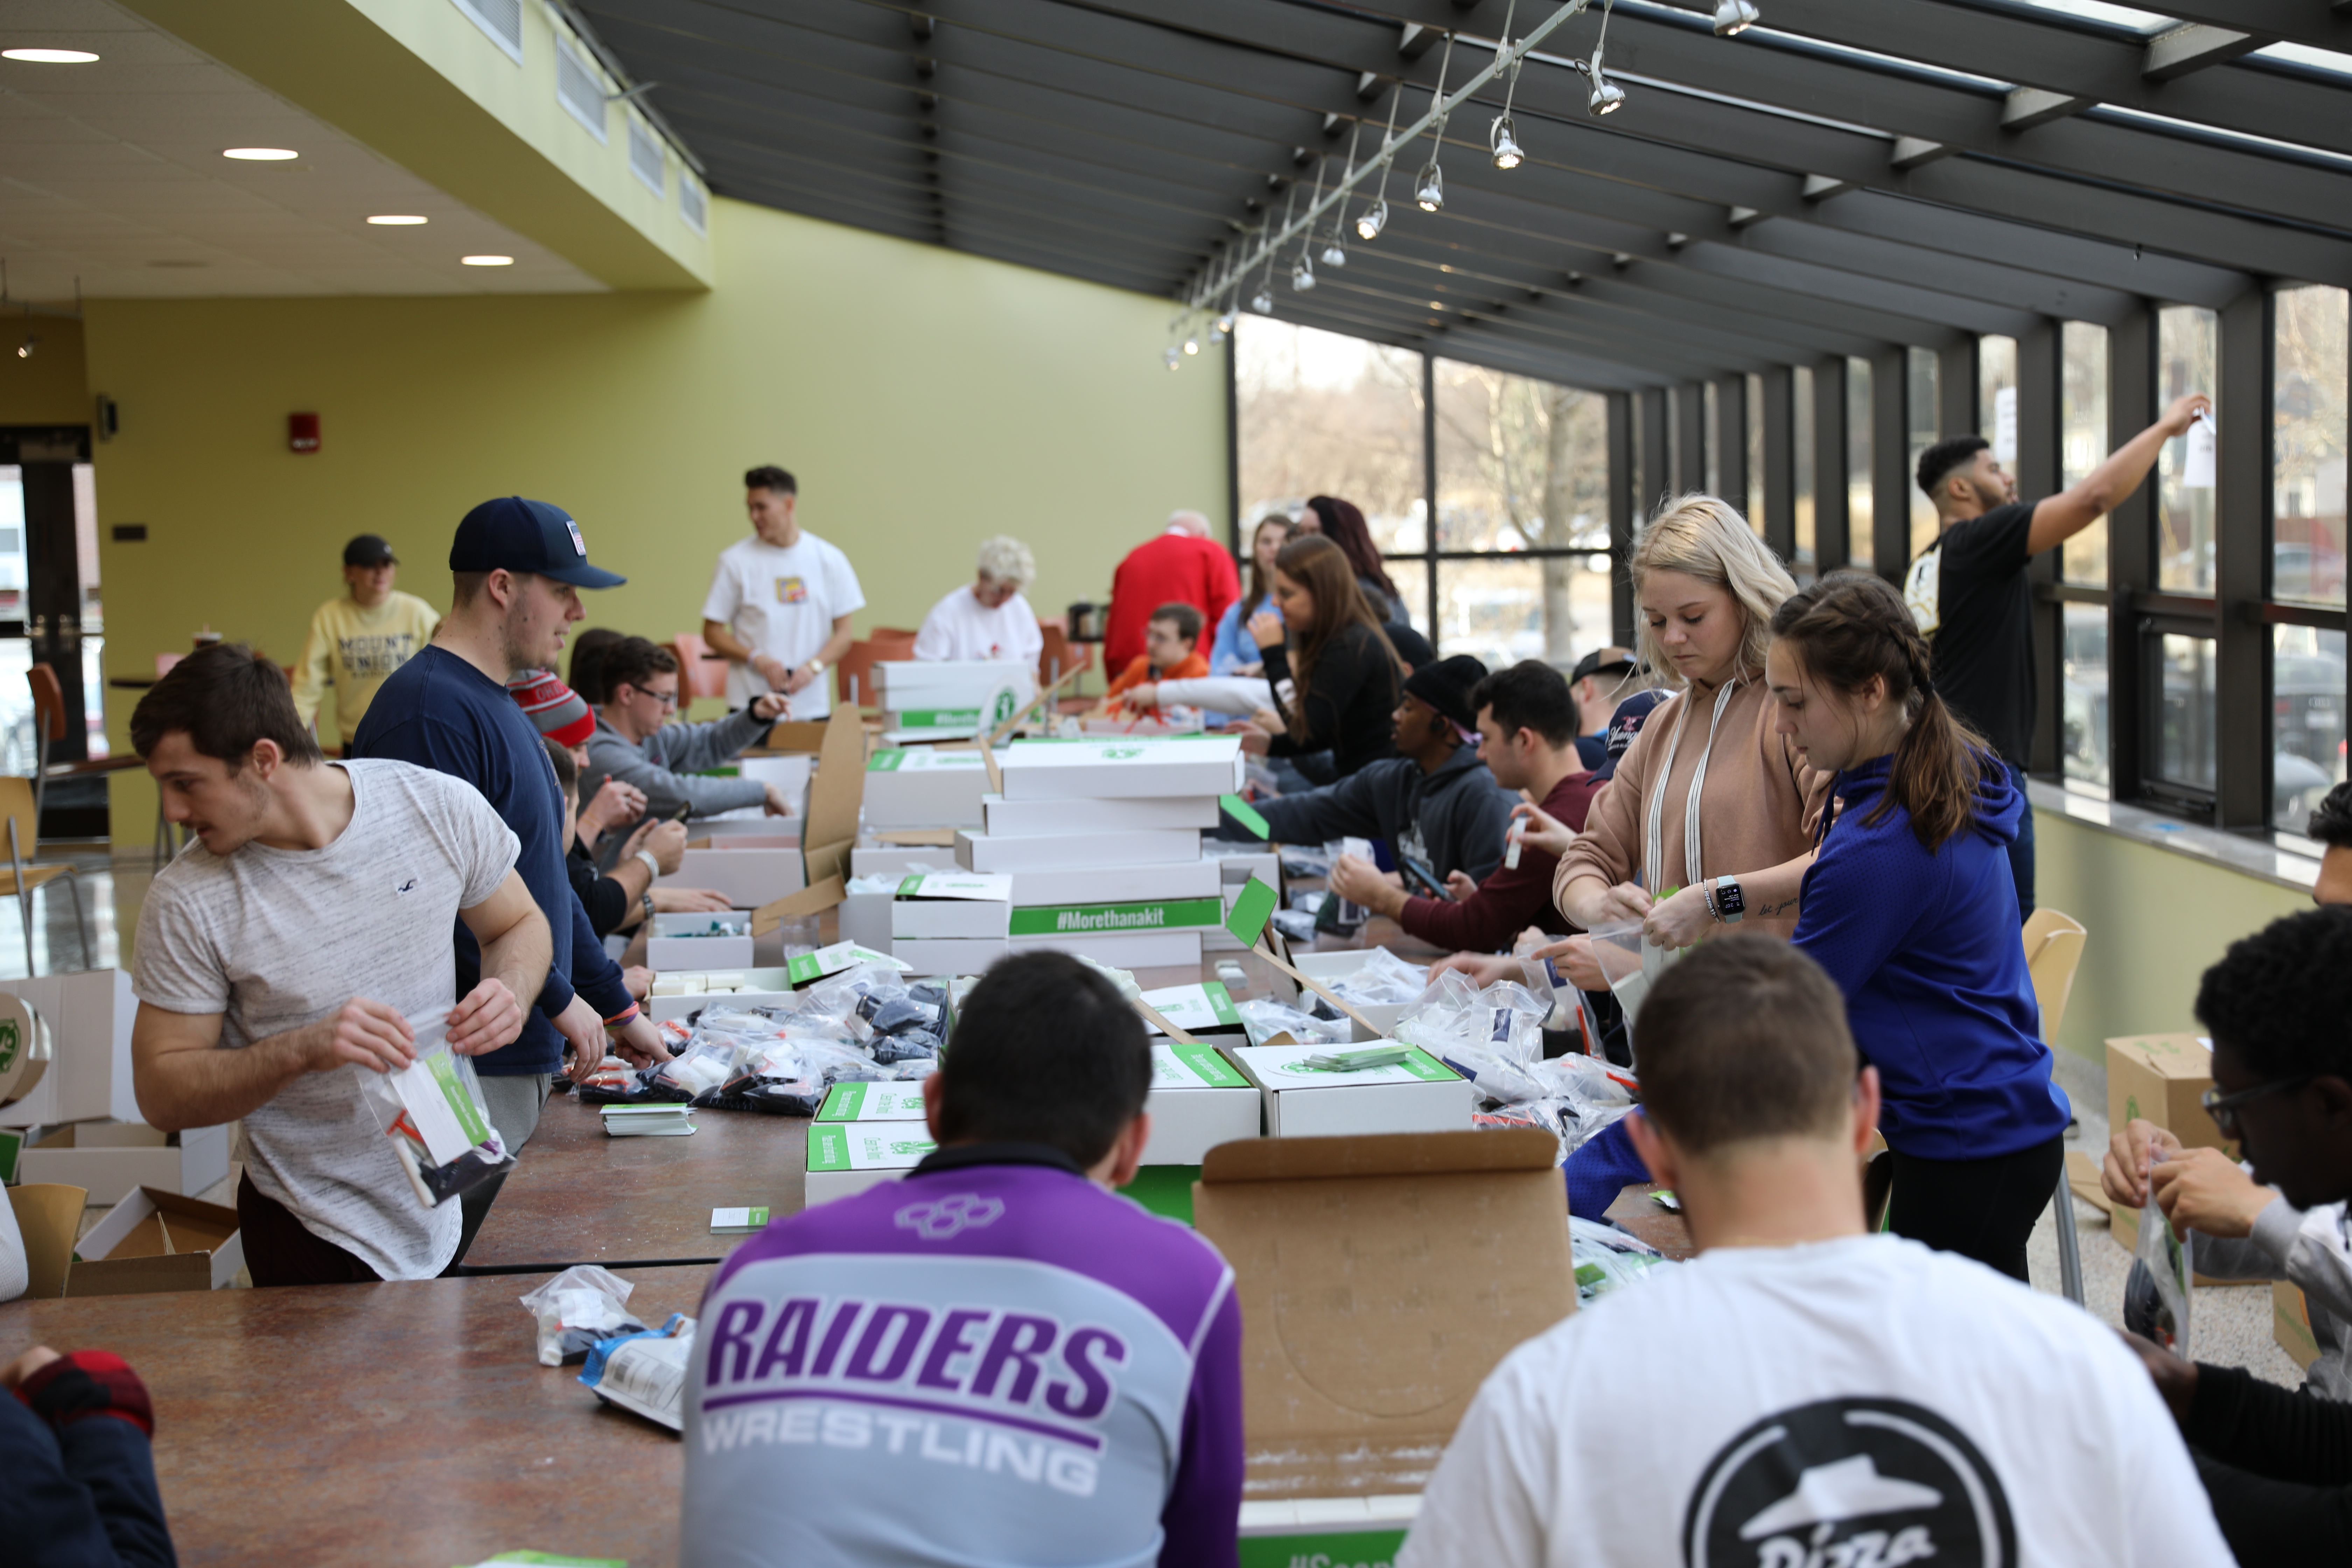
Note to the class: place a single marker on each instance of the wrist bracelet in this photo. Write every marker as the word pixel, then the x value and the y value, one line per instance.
pixel 647 899
pixel 653 867
pixel 620 1018
pixel 1707 893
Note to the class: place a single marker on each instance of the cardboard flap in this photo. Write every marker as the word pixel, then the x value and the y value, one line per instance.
pixel 1384 1154
pixel 835 795
pixel 791 737
pixel 809 900
pixel 1380 1280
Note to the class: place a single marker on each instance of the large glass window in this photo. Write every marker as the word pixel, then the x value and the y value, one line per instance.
pixel 1320 414
pixel 2308 437
pixel 2083 734
pixel 1801 470
pixel 1522 464
pixel 1922 405
pixel 2306 721
pixel 1756 454
pixel 2082 440
pixel 2185 721
pixel 2188 351
pixel 1710 400
pixel 1857 463
pixel 1996 395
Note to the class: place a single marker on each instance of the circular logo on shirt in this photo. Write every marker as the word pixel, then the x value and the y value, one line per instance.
pixel 950 1217
pixel 1876 1481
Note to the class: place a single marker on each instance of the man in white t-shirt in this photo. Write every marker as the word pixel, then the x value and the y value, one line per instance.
pixel 298 946
pixel 1804 1393
pixel 780 602
pixel 991 619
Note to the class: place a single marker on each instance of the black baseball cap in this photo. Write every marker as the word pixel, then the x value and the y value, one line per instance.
pixel 511 534
pixel 1590 664
pixel 369 550
pixel 1446 686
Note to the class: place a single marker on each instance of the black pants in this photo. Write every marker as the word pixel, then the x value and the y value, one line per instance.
pixel 1983 1209
pixel 281 1250
pixel 2276 1524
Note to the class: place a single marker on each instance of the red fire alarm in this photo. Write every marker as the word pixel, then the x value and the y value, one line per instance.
pixel 303 432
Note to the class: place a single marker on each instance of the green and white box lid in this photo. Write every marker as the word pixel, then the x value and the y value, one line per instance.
pixel 807 966
pixel 1196 1009
pixel 1175 1065
pixel 866 1146
pixel 901 1101
pixel 980 886
pixel 1334 1066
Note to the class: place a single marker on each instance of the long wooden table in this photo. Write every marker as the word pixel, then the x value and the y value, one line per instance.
pixel 381 1424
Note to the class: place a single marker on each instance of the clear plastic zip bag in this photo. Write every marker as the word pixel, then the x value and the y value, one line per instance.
pixel 432 1111
pixel 2157 1291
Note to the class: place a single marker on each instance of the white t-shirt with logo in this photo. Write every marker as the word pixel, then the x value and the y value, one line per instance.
pixel 273 940
pixel 960 626
pixel 781 601
pixel 1851 1401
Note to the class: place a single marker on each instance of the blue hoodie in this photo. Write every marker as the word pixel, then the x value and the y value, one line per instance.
pixel 1927 951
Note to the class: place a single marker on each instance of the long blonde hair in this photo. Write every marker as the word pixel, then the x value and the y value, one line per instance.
pixel 1705 537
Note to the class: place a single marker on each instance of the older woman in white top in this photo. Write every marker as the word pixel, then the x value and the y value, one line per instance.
pixel 989 619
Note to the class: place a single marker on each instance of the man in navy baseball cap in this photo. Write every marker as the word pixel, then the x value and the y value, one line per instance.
pixel 512 534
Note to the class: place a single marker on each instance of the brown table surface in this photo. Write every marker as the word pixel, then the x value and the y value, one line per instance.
pixel 381 1424
pixel 1661 1227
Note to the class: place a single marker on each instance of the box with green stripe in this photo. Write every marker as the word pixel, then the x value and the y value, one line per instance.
pixel 1379 1085
pixel 1198 1101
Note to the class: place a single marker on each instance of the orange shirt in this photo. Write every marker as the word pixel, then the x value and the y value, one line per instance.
pixel 1192 667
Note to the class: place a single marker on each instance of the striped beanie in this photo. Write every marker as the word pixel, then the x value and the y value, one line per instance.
pixel 558 712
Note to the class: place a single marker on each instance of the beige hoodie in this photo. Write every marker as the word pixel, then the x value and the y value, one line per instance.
pixel 1758 808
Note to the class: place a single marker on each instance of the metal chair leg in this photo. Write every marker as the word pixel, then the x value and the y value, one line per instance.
pixel 2070 1247
pixel 82 922
pixel 25 909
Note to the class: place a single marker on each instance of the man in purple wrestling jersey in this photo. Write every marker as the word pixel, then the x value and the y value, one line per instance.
pixel 997 1360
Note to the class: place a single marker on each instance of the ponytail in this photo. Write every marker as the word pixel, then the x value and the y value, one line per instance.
pixel 1851 626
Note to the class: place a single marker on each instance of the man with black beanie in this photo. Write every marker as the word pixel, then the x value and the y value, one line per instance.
pixel 1431 801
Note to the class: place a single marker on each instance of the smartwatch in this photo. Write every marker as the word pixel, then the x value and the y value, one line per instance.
pixel 646 898
pixel 817 666
pixel 1730 906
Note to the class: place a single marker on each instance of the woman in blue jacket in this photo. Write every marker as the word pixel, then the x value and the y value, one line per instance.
pixel 1910 907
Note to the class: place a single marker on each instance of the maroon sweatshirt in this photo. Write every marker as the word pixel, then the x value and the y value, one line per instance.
pixel 1508 901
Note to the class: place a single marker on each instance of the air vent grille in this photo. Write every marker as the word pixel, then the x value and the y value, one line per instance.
pixel 501 20
pixel 580 86
pixel 646 154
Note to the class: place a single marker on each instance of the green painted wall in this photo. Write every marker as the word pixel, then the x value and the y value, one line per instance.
pixel 925 399
pixel 2157 920
pixel 49 388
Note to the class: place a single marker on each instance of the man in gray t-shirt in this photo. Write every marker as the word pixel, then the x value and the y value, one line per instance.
pixel 290 950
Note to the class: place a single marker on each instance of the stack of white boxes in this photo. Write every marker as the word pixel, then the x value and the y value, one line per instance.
pixel 946 700
pixel 1102 842
pixel 80 1123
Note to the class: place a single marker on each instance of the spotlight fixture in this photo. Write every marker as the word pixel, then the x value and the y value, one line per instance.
pixel 1335 250
pixel 1263 300
pixel 1223 327
pixel 1607 96
pixel 260 154
pixel 1172 359
pixel 1429 188
pixel 24 349
pixel 1733 17
pixel 1505 146
pixel 49 57
pixel 1302 277
pixel 1373 218
pixel 1192 344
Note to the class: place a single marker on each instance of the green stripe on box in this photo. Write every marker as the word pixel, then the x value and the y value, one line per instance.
pixel 1422 1065
pixel 1221 1003
pixel 1165 1190
pixel 842 1103
pixel 1080 920
pixel 1212 1068
pixel 828 1147
pixel 1323 1549
pixel 884 761
pixel 938 717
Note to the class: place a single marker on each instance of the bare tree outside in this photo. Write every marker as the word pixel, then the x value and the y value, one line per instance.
pixel 1321 414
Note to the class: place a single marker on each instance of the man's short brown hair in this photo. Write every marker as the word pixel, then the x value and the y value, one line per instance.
pixel 1745 1038
pixel 633 659
pixel 1184 617
pixel 225 699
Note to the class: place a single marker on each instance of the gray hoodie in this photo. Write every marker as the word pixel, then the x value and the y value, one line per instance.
pixel 2309 1249
pixel 1454 819
pixel 666 764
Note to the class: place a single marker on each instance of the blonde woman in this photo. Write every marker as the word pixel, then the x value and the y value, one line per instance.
pixel 1708 800
pixel 989 619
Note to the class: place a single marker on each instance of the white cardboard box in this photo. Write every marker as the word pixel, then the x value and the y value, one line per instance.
pixel 666 949
pixel 1122 769
pixel 1046 818
pixel 919 788
pixel 115 1159
pixel 901 859
pixel 1078 851
pixel 747 878
pixel 760 988
pixel 1197 1101
pixel 847 1157
pixel 1204 1007
pixel 1115 885
pixel 1234 870
pixel 1330 966
pixel 1120 950
pixel 88 1015
pixel 902 684
pixel 173 1244
pixel 866 920
pixel 952 903
pixel 1424 1095
pixel 948 954
pixel 900 1102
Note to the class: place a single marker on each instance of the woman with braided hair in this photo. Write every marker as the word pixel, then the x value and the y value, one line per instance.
pixel 1910 907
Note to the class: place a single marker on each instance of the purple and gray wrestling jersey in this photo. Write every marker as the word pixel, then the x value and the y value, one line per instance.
pixel 993 1361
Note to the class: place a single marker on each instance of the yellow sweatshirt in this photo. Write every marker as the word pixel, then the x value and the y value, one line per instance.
pixel 353 650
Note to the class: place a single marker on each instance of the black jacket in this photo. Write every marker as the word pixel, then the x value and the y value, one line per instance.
pixel 2277 1464
pixel 1459 813
pixel 1349 707
pixel 77 1476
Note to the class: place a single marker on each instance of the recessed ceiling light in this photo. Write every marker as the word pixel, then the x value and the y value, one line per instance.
pixel 396 220
pixel 49 57
pixel 487 260
pixel 259 154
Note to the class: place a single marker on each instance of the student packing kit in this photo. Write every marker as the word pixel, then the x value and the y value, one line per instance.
pixel 1197 1101
pixel 915 787
pixel 846 1157
pixel 937 699
pixel 1118 770
pixel 1384 1086
pixel 1382 1279
pixel 1006 818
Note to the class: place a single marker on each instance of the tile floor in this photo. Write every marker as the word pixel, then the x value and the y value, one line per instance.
pixel 2231 1324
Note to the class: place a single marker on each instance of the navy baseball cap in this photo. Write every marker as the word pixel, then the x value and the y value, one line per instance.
pixel 511 534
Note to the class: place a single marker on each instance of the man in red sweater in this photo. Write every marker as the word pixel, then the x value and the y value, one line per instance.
pixel 1180 564
pixel 1527 737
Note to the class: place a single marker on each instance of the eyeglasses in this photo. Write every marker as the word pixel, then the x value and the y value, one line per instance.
pixel 2224 1108
pixel 667 699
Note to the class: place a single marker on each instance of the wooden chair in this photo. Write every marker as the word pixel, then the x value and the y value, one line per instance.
pixel 2053 949
pixel 50 721
pixel 1060 655
pixel 21 880
pixel 701 672
pixel 853 678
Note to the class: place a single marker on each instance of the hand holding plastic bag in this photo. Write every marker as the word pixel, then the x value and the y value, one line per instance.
pixel 2157 1292
pixel 433 1112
